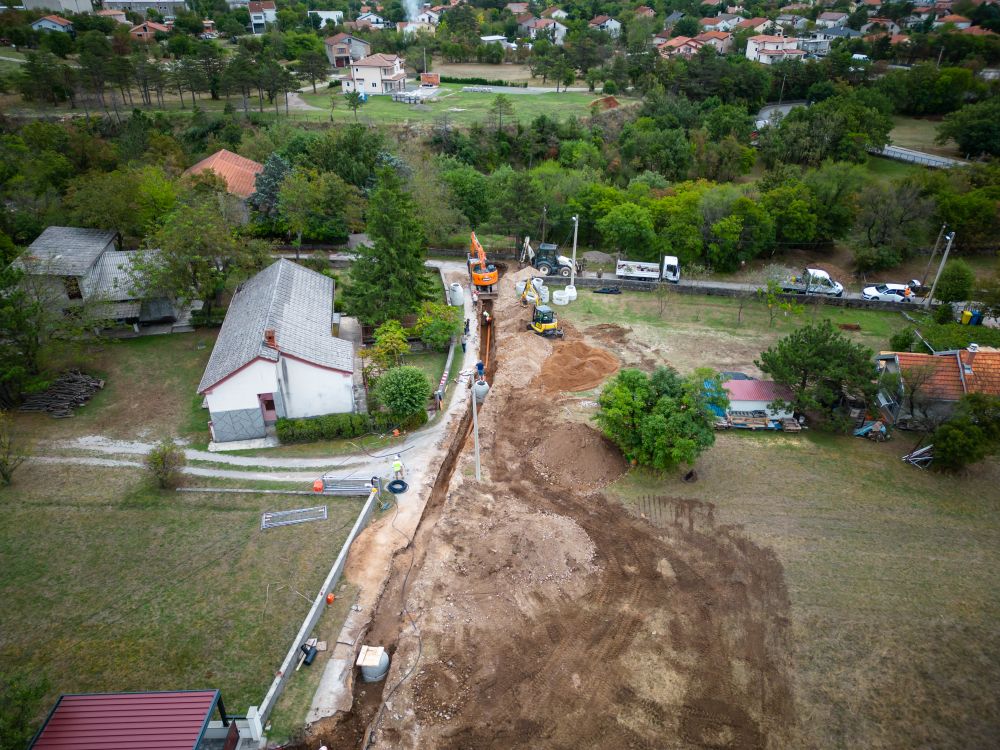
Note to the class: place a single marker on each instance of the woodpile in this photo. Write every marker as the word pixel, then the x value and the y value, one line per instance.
pixel 71 389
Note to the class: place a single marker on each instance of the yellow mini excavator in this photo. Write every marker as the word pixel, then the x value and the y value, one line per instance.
pixel 544 322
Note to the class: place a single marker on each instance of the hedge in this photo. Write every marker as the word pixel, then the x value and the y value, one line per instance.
pixel 954 336
pixel 334 426
pixel 484 82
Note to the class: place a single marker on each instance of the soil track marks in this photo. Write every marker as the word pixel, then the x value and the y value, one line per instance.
pixel 545 615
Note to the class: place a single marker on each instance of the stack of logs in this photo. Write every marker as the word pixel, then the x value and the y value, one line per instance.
pixel 71 389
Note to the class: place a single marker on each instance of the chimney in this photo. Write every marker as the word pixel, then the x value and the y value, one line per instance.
pixel 973 348
pixel 270 339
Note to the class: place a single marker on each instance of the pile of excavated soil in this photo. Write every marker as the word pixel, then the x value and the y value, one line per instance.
pixel 575 366
pixel 575 455
pixel 610 332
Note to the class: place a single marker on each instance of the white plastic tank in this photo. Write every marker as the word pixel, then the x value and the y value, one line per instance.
pixel 570 292
pixel 539 283
pixel 374 663
pixel 455 295
pixel 519 287
pixel 544 295
pixel 559 298
pixel 480 388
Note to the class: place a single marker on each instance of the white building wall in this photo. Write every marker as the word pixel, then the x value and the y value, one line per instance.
pixel 759 406
pixel 240 391
pixel 309 391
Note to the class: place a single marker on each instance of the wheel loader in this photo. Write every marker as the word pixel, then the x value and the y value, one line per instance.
pixel 544 322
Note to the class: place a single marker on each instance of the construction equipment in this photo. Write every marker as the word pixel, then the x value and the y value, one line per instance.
pixel 547 259
pixel 484 274
pixel 544 322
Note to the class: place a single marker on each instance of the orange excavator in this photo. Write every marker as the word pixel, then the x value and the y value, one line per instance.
pixel 484 274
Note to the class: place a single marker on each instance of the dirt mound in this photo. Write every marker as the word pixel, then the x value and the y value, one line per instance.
pixel 578 456
pixel 575 366
pixel 610 332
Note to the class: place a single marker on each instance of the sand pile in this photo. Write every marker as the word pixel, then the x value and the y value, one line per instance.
pixel 576 455
pixel 575 366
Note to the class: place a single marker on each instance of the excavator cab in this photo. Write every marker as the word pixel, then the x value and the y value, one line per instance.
pixel 484 274
pixel 544 322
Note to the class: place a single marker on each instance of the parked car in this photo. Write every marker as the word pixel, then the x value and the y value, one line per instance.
pixel 890 292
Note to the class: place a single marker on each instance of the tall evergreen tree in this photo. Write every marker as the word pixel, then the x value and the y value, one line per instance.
pixel 265 196
pixel 387 279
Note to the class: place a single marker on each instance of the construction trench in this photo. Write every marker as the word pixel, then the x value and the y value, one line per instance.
pixel 530 610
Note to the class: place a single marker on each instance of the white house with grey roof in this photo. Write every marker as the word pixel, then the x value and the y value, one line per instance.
pixel 76 267
pixel 277 355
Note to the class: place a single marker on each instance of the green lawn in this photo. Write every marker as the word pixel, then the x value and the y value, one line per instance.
pixel 108 584
pixel 920 133
pixel 461 107
pixel 149 392
pixel 891 575
pixel 890 169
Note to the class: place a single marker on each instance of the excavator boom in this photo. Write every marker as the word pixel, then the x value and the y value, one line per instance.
pixel 483 273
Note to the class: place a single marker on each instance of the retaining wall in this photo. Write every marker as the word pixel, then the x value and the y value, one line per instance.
pixel 315 612
pixel 709 290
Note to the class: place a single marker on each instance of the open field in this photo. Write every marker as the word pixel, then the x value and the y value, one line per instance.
pixel 111 585
pixel 149 392
pixel 889 572
pixel 890 169
pixel 460 107
pixel 919 133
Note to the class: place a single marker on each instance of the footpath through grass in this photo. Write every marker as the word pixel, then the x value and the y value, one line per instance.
pixel 891 575
pixel 109 585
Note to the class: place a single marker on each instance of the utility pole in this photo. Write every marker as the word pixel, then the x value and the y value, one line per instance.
pixel 545 211
pixel 475 430
pixel 781 94
pixel 425 60
pixel 947 248
pixel 937 244
pixel 572 271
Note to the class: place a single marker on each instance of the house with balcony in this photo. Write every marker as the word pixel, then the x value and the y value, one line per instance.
pixel 376 74
pixel 606 24
pixel 768 49
pixel 720 41
pixel 261 14
pixel 342 49
pixel 680 46
pixel 373 20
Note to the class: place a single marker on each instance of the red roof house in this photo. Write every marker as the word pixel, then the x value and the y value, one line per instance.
pixel 238 172
pixel 131 721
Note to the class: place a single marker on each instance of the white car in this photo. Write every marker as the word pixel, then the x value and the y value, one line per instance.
pixel 888 292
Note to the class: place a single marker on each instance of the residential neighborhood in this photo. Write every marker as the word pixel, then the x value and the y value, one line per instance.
pixel 368 368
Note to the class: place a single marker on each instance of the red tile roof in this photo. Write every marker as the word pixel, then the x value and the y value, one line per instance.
pixel 953 19
pixel 598 20
pixel 978 373
pixel 56 20
pixel 757 390
pixel 977 31
pixel 378 60
pixel 128 721
pixel 239 173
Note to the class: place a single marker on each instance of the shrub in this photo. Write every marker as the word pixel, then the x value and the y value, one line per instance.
pixel 956 282
pixel 165 462
pixel 483 81
pixel 438 324
pixel 902 341
pixel 344 426
pixel 11 453
pixel 944 313
pixel 403 390
pixel 610 88
pixel 955 336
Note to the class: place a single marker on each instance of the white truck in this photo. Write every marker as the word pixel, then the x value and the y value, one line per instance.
pixel 668 270
pixel 812 281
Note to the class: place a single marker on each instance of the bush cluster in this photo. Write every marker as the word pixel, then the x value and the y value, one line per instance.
pixel 334 426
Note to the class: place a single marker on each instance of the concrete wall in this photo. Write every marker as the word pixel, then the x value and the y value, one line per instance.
pixel 309 391
pixel 238 424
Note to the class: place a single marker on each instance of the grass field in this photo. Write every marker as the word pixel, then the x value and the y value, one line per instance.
pixel 919 133
pixel 460 107
pixel 890 569
pixel 149 392
pixel 890 169
pixel 890 572
pixel 110 585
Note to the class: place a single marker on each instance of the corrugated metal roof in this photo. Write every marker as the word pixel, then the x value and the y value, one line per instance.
pixel 65 251
pixel 128 721
pixel 757 390
pixel 293 301
pixel 238 172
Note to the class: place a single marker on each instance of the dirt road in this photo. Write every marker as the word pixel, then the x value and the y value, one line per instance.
pixel 531 611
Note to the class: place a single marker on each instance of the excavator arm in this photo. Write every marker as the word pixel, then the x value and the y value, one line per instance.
pixel 483 274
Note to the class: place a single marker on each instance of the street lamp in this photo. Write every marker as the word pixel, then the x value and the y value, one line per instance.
pixel 950 237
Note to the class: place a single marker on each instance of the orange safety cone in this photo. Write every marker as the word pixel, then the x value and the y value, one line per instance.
pixel 330 598
pixel 395 433
pixel 318 485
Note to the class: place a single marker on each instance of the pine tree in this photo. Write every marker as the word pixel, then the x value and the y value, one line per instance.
pixel 265 196
pixel 387 279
